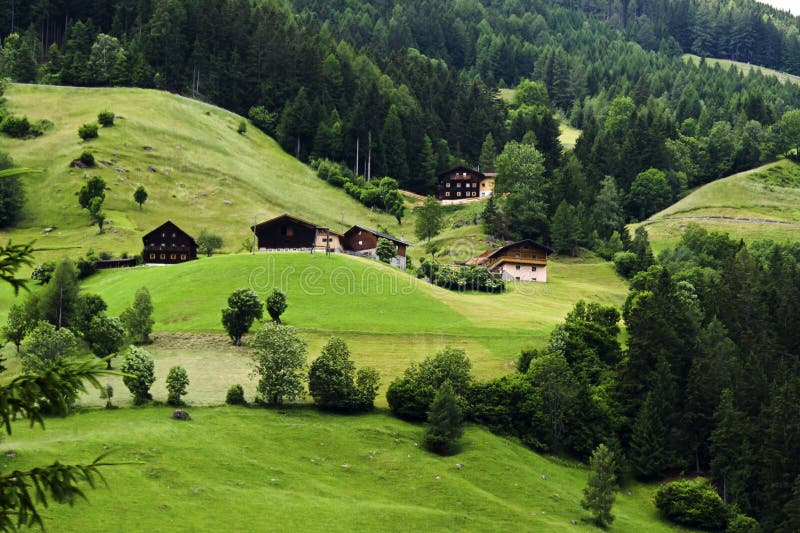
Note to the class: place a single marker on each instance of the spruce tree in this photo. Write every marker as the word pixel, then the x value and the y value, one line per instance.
pixel 394 146
pixel 565 229
pixel 488 154
pixel 445 422
pixel 58 298
pixel 599 493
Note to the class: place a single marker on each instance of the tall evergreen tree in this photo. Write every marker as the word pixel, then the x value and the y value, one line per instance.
pixel 600 491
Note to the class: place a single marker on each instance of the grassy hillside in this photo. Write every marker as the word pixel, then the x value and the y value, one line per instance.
pixel 237 469
pixel 744 67
pixel 763 203
pixel 198 170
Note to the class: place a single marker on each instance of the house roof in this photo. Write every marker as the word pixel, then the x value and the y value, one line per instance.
pixel 168 226
pixel 298 220
pixel 379 234
pixel 460 168
pixel 494 252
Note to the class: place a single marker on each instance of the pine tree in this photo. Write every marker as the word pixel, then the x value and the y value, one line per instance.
pixel 729 446
pixel 394 146
pixel 651 453
pixel 488 154
pixel 445 420
pixel 791 509
pixel 565 229
pixel 599 493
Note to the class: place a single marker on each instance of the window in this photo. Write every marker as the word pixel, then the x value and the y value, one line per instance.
pixel 172 257
pixel 518 267
pixel 173 235
pixel 483 185
pixel 152 256
pixel 458 193
pixel 458 185
pixel 533 269
pixel 162 256
pixel 474 194
pixel 517 278
pixel 447 193
pixel 183 257
pixel 360 243
pixel 446 185
pixel 163 235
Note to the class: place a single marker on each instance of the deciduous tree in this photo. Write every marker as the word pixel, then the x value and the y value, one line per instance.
pixel 138 318
pixel 280 362
pixel 243 308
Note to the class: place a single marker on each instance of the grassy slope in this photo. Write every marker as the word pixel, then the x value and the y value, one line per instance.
pixel 744 67
pixel 236 469
pixel 771 192
pixel 200 162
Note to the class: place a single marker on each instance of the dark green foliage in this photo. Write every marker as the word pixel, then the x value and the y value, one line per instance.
pixel 12 200
pixel 96 212
pixel 45 345
pixel 744 524
pixel 140 195
pixel 280 364
pixel 87 158
pixel 565 229
pixel 17 127
pixel 87 307
pixel 445 422
pixel 43 273
pixel 59 297
pixel 333 384
pixel 139 366
pixel 429 220
pixel 87 132
pixel 693 504
pixel 263 119
pixel 105 336
pixel 410 396
pixel 385 250
pixel 461 278
pixel 208 242
pixel 177 382
pixel 138 318
pixel 106 119
pixel 650 192
pixel 243 308
pixel 276 305
pixel 235 395
pixel 600 491
pixel 94 188
pixel 18 324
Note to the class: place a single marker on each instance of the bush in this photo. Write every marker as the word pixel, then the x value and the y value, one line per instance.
pixel 106 118
pixel 17 127
pixel 42 273
pixel 462 278
pixel 87 158
pixel 87 131
pixel 276 305
pixel 626 264
pixel 242 129
pixel 410 397
pixel 177 381
pixel 235 395
pixel 139 364
pixel 333 384
pixel 692 503
pixel 743 524
pixel 263 119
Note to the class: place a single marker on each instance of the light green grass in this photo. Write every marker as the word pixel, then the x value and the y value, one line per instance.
pixel 763 196
pixel 569 136
pixel 746 68
pixel 238 469
pixel 200 161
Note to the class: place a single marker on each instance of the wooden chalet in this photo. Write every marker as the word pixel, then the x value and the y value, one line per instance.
pixel 462 183
pixel 364 241
pixel 291 233
pixel 168 244
pixel 519 261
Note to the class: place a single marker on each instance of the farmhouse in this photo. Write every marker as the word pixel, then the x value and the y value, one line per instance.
pixel 168 244
pixel 521 261
pixel 291 233
pixel 461 183
pixel 364 241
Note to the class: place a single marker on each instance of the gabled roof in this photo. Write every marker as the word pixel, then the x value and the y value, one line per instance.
pixel 379 234
pixel 168 227
pixel 494 252
pixel 460 168
pixel 296 220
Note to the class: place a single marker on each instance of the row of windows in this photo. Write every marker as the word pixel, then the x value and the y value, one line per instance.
pixel 163 244
pixel 519 267
pixel 467 185
pixel 458 193
pixel 172 257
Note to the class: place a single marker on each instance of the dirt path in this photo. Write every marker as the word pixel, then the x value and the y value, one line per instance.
pixel 727 219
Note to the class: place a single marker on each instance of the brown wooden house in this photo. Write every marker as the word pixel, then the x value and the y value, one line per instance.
pixel 168 244
pixel 364 241
pixel 462 183
pixel 519 261
pixel 291 233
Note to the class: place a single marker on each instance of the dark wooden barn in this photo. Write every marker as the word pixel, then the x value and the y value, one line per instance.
pixel 459 183
pixel 168 244
pixel 364 241
pixel 291 233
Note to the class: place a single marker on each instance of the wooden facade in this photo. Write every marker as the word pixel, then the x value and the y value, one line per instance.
pixel 168 244
pixel 364 241
pixel 459 183
pixel 519 261
pixel 291 233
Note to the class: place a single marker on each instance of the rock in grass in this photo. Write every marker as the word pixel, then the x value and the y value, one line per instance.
pixel 180 414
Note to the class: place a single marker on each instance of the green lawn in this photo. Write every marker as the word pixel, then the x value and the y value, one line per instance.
pixel 239 469
pixel 206 174
pixel 751 202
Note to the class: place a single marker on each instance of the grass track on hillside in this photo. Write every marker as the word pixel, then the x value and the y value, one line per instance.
pixel 746 68
pixel 238 469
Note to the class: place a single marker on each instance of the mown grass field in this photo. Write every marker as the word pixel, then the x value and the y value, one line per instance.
pixel 388 317
pixel 239 469
pixel 762 203
pixel 198 171
pixel 746 68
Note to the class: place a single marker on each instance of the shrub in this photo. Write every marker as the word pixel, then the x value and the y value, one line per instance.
pixel 106 118
pixel 42 273
pixel 139 364
pixel 243 308
pixel 333 384
pixel 87 158
pixel 235 395
pixel 107 393
pixel 44 345
pixel 743 524
pixel 242 129
pixel 177 381
pixel 626 264
pixel 208 242
pixel 17 127
pixel 263 119
pixel 276 305
pixel 87 131
pixel 692 503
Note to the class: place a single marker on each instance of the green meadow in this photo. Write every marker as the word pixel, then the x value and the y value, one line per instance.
pixel 745 68
pixel 239 469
